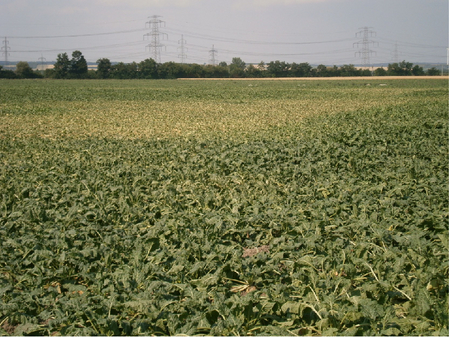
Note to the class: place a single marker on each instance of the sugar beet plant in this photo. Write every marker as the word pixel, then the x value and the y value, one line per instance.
pixel 335 226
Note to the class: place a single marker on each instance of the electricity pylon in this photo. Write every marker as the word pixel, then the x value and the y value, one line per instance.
pixel 395 54
pixel 364 45
pixel 42 59
pixel 155 37
pixel 212 56
pixel 5 49
pixel 182 48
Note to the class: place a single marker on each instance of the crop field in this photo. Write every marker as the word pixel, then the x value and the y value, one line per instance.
pixel 224 207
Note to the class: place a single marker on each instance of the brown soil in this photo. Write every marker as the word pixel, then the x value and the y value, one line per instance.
pixel 249 252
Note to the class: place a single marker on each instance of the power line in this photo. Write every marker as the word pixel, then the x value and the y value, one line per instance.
pixel 102 47
pixel 78 35
pixel 411 44
pixel 155 35
pixel 224 39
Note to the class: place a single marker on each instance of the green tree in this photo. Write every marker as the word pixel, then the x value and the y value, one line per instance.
pixel 400 69
pixel 78 65
pixel 196 71
pixel 23 70
pixel 300 70
pixel 349 70
pixel 169 70
pixel 184 70
pixel 148 69
pixel 380 72
pixel 211 71
pixel 321 70
pixel 237 62
pixel 62 66
pixel 237 67
pixel 49 73
pixel 278 69
pixel 433 72
pixel 417 70
pixel 7 73
pixel 334 72
pixel 104 68
pixel 124 71
pixel 253 71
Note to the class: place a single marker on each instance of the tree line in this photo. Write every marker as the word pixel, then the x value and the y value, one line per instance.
pixel 77 68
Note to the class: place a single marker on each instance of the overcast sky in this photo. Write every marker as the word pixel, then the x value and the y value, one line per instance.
pixel 314 31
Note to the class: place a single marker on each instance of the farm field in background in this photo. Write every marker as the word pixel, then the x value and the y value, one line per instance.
pixel 224 207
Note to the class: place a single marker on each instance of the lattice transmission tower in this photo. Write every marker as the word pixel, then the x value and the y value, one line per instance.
pixel 5 49
pixel 42 59
pixel 364 45
pixel 182 49
pixel 395 54
pixel 155 36
pixel 212 56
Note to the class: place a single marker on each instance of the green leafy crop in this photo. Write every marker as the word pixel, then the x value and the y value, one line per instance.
pixel 320 218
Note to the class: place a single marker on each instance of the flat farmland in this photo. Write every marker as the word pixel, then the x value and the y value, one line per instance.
pixel 224 207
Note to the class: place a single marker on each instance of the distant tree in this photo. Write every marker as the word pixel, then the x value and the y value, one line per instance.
pixel 433 72
pixel 278 69
pixel 169 70
pixel 321 70
pixel 237 67
pixel 253 72
pixel 184 70
pixel 335 71
pixel 417 70
pixel 223 64
pixel 148 69
pixel 23 70
pixel 237 62
pixel 300 70
pixel 237 73
pixel 49 73
pixel 104 68
pixel 62 66
pixel 349 70
pixel 78 65
pixel 124 71
pixel 118 71
pixel 400 69
pixel 394 69
pixel 210 71
pixel 7 73
pixel 221 71
pixel 380 72
pixel 196 71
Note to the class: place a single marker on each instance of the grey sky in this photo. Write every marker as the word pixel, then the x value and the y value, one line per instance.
pixel 314 31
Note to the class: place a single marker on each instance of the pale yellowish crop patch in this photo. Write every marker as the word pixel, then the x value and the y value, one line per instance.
pixel 130 119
